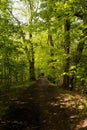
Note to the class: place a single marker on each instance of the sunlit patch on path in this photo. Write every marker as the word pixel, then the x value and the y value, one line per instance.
pixel 82 125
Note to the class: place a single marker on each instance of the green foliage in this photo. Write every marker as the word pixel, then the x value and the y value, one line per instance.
pixel 45 18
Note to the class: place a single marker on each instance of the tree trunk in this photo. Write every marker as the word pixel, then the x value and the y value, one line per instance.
pixel 67 51
pixel 32 69
pixel 51 43
pixel 30 57
pixel 50 39
pixel 79 50
pixel 80 47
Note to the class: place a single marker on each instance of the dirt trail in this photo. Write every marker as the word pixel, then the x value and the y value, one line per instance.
pixel 42 107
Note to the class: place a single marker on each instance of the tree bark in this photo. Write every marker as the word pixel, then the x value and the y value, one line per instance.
pixel 51 43
pixel 80 47
pixel 67 51
pixel 32 69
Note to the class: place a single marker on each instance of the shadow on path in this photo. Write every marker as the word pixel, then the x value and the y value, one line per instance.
pixel 40 107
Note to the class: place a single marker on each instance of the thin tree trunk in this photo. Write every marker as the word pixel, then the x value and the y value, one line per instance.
pixel 67 51
pixel 51 43
pixel 50 39
pixel 32 69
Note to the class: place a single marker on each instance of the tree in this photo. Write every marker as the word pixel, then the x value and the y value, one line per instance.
pixel 11 49
pixel 81 14
pixel 28 42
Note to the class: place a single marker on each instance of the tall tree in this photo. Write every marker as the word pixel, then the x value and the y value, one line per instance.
pixel 81 14
pixel 67 52
pixel 29 19
pixel 32 58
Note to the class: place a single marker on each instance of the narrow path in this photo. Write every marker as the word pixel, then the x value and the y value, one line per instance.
pixel 41 107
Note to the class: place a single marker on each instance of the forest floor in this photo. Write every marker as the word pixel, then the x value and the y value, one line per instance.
pixel 44 106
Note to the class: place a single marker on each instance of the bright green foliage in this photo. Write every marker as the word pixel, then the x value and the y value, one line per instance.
pixel 43 18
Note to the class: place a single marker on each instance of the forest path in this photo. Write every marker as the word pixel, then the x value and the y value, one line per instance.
pixel 45 107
